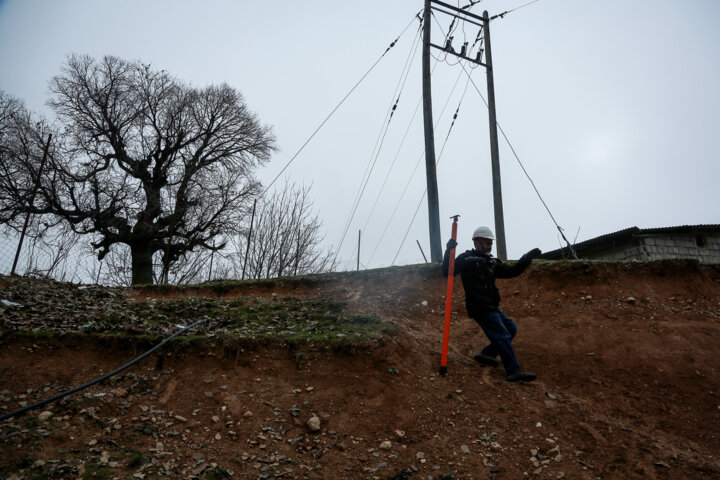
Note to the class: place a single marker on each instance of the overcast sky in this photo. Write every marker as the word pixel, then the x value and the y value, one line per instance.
pixel 612 106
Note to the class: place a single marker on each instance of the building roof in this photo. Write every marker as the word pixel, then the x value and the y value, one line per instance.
pixel 626 234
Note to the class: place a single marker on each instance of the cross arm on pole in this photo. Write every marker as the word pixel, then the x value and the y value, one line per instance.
pixel 460 11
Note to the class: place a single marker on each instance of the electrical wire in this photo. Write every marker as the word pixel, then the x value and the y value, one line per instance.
pixel 417 164
pixel 451 29
pixel 402 142
pixel 337 107
pixel 97 380
pixel 384 131
pixel 389 115
pixel 560 229
pixel 437 162
pixel 398 88
pixel 502 15
pixel 469 5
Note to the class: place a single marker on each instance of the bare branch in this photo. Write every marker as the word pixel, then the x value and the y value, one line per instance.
pixel 141 160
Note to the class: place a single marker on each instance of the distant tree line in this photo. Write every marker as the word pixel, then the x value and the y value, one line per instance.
pixel 154 176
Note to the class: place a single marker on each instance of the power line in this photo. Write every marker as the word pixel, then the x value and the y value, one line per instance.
pixel 560 230
pixel 402 142
pixel 371 165
pixel 469 5
pixel 337 106
pixel 417 164
pixel 452 124
pixel 451 28
pixel 386 178
pixel 523 167
pixel 502 15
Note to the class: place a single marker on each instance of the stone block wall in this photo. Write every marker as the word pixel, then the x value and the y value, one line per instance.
pixel 704 248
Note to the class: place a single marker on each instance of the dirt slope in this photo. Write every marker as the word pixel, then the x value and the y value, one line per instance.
pixel 628 387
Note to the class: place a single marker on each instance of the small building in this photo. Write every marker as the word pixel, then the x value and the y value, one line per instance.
pixel 699 242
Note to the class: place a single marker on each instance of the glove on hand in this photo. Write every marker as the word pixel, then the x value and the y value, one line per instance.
pixel 451 244
pixel 534 253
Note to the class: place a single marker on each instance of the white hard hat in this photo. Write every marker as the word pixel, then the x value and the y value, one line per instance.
pixel 483 232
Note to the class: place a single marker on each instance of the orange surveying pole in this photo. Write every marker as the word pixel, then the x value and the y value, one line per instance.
pixel 448 301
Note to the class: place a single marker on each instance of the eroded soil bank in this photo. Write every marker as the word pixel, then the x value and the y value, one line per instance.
pixel 628 387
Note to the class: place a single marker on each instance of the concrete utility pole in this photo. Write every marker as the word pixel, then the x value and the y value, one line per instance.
pixel 494 153
pixel 432 188
pixel 483 22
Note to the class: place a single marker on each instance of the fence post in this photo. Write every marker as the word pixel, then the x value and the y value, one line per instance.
pixel 32 202
pixel 247 250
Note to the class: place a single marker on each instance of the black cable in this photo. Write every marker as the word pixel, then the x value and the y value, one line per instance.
pixel 362 192
pixel 97 380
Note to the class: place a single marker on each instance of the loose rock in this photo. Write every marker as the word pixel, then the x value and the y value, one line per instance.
pixel 313 424
pixel 45 416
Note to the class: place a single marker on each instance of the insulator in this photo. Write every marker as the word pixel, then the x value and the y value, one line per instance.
pixel 479 55
pixel 463 50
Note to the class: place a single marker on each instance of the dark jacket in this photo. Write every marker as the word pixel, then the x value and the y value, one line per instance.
pixel 478 272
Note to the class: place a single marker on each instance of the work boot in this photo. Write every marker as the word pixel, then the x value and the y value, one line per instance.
pixel 520 376
pixel 486 360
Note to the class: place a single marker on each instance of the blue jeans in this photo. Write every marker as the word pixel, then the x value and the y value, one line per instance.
pixel 500 330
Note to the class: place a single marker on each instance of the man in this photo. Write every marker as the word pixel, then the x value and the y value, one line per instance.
pixel 478 271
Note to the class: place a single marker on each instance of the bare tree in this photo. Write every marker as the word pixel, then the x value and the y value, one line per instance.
pixel 285 238
pixel 22 140
pixel 144 161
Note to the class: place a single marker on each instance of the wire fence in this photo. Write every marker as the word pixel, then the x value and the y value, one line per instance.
pixel 8 247
pixel 67 257
pixel 40 257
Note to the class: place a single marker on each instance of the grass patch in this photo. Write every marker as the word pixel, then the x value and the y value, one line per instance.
pixel 113 316
pixel 284 318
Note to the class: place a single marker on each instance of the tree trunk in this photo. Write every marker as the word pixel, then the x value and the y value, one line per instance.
pixel 141 263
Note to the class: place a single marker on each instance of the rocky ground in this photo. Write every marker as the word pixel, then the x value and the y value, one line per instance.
pixel 626 356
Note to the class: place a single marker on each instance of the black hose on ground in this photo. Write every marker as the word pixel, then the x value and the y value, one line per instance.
pixel 97 380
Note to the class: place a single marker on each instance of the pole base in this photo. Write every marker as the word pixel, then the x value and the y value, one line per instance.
pixel 443 371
